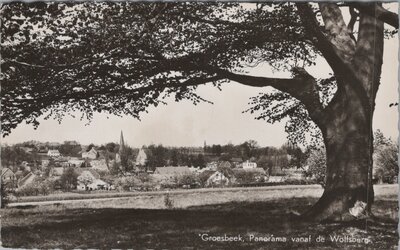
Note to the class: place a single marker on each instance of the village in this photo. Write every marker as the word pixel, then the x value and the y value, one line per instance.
pixel 44 168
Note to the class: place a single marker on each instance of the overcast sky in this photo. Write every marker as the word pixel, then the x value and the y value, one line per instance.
pixel 183 124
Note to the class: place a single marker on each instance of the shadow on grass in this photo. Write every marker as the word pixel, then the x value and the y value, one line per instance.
pixel 181 228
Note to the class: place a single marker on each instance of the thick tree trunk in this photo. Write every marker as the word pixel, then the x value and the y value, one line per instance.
pixel 348 140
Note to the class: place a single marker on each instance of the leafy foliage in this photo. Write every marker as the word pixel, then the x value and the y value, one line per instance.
pixel 69 179
pixel 386 167
pixel 387 164
pixel 275 106
pixel 317 165
pixel 39 186
pixel 121 58
pixel 5 194
pixel 190 179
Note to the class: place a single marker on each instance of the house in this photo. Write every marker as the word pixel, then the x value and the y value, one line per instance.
pixel 86 178
pixel 169 173
pixel 75 162
pixel 53 153
pixel 248 164
pixel 225 164
pixel 92 154
pixel 27 179
pixel 141 158
pixel 98 184
pixel 8 177
pixel 217 179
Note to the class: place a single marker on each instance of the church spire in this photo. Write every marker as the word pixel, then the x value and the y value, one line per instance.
pixel 121 143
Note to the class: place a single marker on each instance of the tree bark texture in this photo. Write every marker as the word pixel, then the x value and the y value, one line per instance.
pixel 347 127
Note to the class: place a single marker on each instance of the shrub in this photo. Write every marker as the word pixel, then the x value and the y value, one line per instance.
pixel 125 183
pixel 203 177
pixel 69 179
pixel 387 168
pixel 37 187
pixel 189 179
pixel 4 195
pixel 246 176
pixel 168 202
pixel 317 166
pixel 168 185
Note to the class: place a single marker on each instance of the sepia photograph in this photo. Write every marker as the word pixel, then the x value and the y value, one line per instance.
pixel 199 125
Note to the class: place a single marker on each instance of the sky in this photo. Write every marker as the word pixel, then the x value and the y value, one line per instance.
pixel 184 124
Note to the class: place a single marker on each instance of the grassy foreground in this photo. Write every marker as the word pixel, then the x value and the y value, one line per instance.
pixel 63 227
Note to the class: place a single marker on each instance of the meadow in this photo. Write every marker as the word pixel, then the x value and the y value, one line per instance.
pixel 259 223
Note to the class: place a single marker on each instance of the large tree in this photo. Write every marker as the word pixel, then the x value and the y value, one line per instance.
pixel 122 58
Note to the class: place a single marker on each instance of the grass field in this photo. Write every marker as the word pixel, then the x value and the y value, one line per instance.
pixel 114 194
pixel 61 226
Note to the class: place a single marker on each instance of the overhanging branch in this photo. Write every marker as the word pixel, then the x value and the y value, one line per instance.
pixel 302 87
pixel 379 12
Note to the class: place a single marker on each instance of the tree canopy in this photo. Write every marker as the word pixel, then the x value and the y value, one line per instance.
pixel 121 58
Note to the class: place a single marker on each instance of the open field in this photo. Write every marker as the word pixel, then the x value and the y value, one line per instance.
pixel 184 198
pixel 113 194
pixel 65 226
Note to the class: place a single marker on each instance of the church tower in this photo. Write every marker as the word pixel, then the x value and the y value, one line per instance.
pixel 121 148
pixel 121 143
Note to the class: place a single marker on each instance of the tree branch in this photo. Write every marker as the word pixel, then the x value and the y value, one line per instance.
pixel 379 12
pixel 321 42
pixel 338 32
pixel 302 87
pixel 368 58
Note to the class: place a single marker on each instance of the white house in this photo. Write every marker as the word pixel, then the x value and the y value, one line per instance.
pixel 90 180
pixel 249 164
pixel 92 154
pixel 53 153
pixel 99 185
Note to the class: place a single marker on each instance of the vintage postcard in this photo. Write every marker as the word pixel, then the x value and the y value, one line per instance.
pixel 199 125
